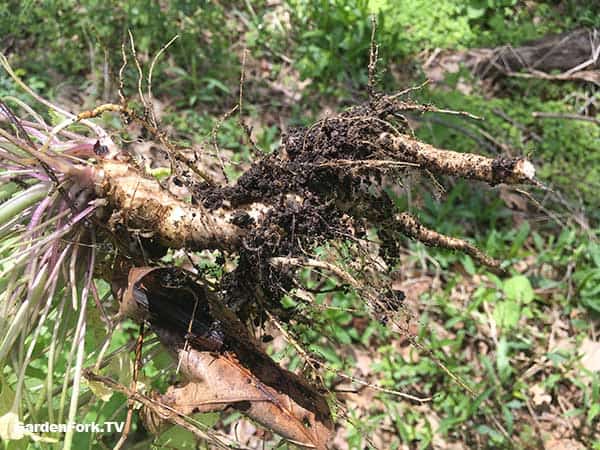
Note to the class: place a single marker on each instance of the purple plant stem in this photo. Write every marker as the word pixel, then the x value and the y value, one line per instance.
pixel 38 212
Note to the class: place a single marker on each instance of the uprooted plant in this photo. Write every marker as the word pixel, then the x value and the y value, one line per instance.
pixel 85 210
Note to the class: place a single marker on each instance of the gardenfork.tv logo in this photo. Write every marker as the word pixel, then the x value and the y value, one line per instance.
pixel 46 427
pixel 11 428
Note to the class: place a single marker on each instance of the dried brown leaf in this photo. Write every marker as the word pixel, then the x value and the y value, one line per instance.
pixel 222 363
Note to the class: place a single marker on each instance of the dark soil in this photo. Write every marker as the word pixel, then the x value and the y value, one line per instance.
pixel 317 194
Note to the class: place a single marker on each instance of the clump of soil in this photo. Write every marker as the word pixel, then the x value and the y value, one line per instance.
pixel 317 193
pixel 288 230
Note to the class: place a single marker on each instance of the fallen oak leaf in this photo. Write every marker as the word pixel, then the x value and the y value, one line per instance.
pixel 219 381
pixel 223 365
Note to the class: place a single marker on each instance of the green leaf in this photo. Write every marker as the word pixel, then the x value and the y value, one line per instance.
pixel 594 250
pixel 502 359
pixel 475 13
pixel 99 390
pixel 593 412
pixel 519 238
pixel 159 173
pixel 468 265
pixel 177 437
pixel 208 419
pixel 55 117
pixel 507 314
pixel 519 289
pixel 21 201
pixel 9 420
pixel 493 434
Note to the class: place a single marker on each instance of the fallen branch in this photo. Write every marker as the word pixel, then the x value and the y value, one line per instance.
pixel 547 115
pixel 574 54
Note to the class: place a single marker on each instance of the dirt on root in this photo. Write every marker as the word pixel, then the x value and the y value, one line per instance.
pixel 317 194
